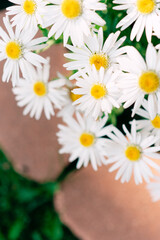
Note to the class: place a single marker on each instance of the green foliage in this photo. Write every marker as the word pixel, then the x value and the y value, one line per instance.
pixel 112 119
pixel 26 208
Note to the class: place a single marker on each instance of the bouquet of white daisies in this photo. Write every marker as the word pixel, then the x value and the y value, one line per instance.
pixel 114 55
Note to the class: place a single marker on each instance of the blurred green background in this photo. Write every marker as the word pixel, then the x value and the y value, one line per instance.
pixel 26 207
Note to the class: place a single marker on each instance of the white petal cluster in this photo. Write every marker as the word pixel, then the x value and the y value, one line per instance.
pixel 144 14
pixel 140 79
pixel 135 154
pixel 99 92
pixel 28 13
pixel 94 52
pixel 147 124
pixel 73 18
pixel 17 49
pixel 83 138
pixel 37 93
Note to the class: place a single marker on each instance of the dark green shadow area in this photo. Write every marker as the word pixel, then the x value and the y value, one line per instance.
pixel 4 4
pixel 26 207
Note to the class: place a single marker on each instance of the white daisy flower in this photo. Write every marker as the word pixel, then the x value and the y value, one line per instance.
pixel 73 18
pixel 145 14
pixel 99 92
pixel 82 138
pixel 149 125
pixel 154 189
pixel 17 49
pixel 28 13
pixel 37 94
pixel 134 153
pixel 67 108
pixel 94 52
pixel 140 78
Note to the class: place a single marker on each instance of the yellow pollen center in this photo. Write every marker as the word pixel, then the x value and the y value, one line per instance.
pixel 86 139
pixel 133 153
pixel 74 96
pixel 29 6
pixel 71 8
pixel 145 6
pixel 98 91
pixel 99 60
pixel 149 82
pixel 13 50
pixel 40 89
pixel 156 122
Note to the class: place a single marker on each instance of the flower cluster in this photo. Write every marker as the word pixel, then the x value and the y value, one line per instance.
pixel 110 73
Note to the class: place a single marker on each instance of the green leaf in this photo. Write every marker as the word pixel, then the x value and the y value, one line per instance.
pixel 52 226
pixel 36 236
pixel 44 31
pixel 51 187
pixel 15 230
pixel 2 236
pixel 26 206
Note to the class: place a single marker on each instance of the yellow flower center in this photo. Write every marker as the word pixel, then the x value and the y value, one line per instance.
pixel 71 8
pixel 145 6
pixel 40 89
pixel 29 6
pixel 86 139
pixel 149 82
pixel 156 122
pixel 99 60
pixel 13 50
pixel 74 96
pixel 98 91
pixel 132 153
